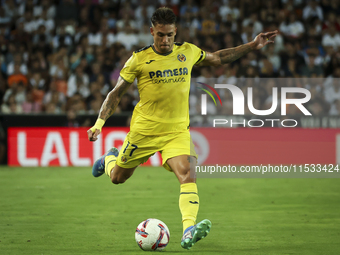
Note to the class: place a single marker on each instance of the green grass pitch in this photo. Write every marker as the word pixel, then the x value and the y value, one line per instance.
pixel 67 211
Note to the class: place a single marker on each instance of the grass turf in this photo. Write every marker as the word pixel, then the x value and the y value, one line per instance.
pixel 67 211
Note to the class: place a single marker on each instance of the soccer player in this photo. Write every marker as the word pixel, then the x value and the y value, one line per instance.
pixel 160 120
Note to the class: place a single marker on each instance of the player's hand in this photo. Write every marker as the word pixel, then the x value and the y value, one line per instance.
pixel 263 39
pixel 93 136
pixel 94 131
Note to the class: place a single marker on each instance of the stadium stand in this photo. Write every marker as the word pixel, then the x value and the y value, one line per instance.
pixel 63 56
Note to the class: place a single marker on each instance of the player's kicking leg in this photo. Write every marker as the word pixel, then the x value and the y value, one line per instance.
pixel 107 164
pixel 188 201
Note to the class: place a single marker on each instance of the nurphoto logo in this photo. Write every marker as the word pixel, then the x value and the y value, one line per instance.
pixel 239 105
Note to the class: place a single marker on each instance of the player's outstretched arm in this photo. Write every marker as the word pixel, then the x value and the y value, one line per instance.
pixel 108 107
pixel 225 56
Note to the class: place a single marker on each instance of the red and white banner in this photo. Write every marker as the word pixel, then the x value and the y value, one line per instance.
pixel 256 146
pixel 63 146
pixel 244 146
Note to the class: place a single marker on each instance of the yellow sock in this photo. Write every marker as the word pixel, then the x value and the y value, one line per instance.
pixel 188 204
pixel 110 162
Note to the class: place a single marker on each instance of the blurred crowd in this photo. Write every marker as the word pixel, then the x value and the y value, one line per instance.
pixel 63 56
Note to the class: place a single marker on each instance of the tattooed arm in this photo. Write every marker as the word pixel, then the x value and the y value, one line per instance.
pixel 113 98
pixel 108 107
pixel 225 56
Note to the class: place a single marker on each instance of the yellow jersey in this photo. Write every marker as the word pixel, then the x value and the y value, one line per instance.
pixel 163 82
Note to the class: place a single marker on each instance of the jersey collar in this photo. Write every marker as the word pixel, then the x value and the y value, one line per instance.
pixel 163 54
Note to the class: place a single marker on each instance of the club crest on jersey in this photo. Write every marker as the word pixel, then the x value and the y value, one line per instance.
pixel 181 57
pixel 123 159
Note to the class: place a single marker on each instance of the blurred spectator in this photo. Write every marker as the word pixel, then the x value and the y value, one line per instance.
pixel 11 106
pixel 331 19
pixel 289 53
pixel 96 71
pixel 335 108
pixel 206 74
pixel 317 107
pixel 56 103
pixel 11 9
pixel 331 37
pixel 333 63
pixel 19 34
pixel 17 61
pixel 266 67
pixel 115 73
pixel 247 35
pixel 84 17
pixel 95 99
pixel 172 4
pixel 313 47
pixel 190 8
pixel 292 28
pixel 269 12
pixel 62 38
pixel 81 34
pixel 273 57
pixel 17 76
pixel 41 34
pixel 144 37
pixel 107 8
pixel 101 36
pixel 208 25
pixel 5 19
pixel 55 96
pixel 72 119
pixel 231 9
pixel 311 69
pixel 256 24
pixel 127 38
pixel 78 83
pixel 58 70
pixel 18 90
pixel 49 7
pixel 42 63
pixel 332 92
pixel 290 69
pixel 104 84
pixel 30 25
pixel 43 20
pixel 312 10
pixel 36 81
pixel 29 105
pixel 125 22
pixel 144 11
pixel 25 5
pixel 76 103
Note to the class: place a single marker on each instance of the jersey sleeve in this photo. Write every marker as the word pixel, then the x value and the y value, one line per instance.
pixel 198 54
pixel 130 70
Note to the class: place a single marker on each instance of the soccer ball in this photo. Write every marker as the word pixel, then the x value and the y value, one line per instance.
pixel 152 235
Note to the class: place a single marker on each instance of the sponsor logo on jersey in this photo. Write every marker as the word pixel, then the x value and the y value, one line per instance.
pixel 168 73
pixel 171 80
pixel 161 76
pixel 181 57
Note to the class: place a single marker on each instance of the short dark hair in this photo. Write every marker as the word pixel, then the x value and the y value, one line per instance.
pixel 163 16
